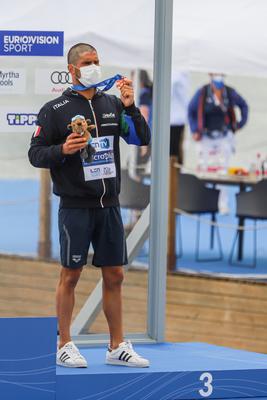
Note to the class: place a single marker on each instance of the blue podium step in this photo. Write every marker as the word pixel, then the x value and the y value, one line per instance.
pixel 28 358
pixel 185 371
pixel 178 371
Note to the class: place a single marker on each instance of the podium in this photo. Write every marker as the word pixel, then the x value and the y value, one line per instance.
pixel 184 371
pixel 178 371
pixel 28 358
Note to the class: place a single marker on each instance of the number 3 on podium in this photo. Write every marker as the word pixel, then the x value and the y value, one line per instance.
pixel 206 377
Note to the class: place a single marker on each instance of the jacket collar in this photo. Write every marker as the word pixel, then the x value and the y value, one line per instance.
pixel 72 93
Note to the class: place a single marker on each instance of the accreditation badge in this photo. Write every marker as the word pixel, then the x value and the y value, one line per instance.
pixel 102 165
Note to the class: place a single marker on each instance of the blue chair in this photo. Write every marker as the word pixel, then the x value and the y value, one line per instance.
pixel 194 197
pixel 250 205
pixel 134 195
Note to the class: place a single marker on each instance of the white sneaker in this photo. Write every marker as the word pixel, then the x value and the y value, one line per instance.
pixel 125 355
pixel 69 356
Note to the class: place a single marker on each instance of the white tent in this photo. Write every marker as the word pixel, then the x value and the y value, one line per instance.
pixel 208 35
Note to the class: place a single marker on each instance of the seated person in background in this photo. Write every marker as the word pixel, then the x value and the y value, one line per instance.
pixel 138 160
pixel 213 122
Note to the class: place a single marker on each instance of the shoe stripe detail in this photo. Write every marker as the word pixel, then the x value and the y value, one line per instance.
pixel 125 356
pixel 66 357
pixel 127 359
pixel 120 357
pixel 62 355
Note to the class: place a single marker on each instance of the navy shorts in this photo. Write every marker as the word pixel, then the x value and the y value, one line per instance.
pixel 103 227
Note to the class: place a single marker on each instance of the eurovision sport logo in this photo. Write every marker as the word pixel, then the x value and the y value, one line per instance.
pixel 31 43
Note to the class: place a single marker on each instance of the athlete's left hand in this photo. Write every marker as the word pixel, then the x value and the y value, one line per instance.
pixel 125 86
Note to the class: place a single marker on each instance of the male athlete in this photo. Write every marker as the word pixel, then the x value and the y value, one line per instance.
pixel 89 209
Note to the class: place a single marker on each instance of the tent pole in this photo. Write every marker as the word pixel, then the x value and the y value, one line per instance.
pixel 160 169
pixel 44 243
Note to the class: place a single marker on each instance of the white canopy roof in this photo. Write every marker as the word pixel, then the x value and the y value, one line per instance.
pixel 208 35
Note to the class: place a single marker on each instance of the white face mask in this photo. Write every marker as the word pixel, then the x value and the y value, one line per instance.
pixel 218 78
pixel 90 75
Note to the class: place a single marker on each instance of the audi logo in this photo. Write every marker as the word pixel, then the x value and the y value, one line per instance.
pixel 60 77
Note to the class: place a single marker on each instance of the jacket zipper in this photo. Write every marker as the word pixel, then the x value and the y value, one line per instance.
pixel 96 128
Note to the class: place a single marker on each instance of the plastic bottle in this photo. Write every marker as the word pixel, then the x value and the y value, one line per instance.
pixel 201 165
pixel 252 169
pixel 264 167
pixel 258 165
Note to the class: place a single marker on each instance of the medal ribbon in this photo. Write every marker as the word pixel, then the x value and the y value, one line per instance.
pixel 106 84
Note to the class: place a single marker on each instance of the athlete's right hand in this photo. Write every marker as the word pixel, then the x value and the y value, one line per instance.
pixel 74 143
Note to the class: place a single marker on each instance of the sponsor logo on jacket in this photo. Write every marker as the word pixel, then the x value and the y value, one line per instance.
pixel 61 104
pixel 102 144
pixel 108 115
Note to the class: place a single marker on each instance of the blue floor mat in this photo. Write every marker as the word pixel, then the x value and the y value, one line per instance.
pixel 188 261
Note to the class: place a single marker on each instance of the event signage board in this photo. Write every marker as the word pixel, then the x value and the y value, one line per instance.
pixel 17 119
pixel 52 81
pixel 31 43
pixel 12 81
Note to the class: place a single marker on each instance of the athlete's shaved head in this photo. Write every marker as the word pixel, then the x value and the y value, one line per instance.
pixel 76 50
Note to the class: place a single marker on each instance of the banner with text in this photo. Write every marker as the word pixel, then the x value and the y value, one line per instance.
pixel 31 43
